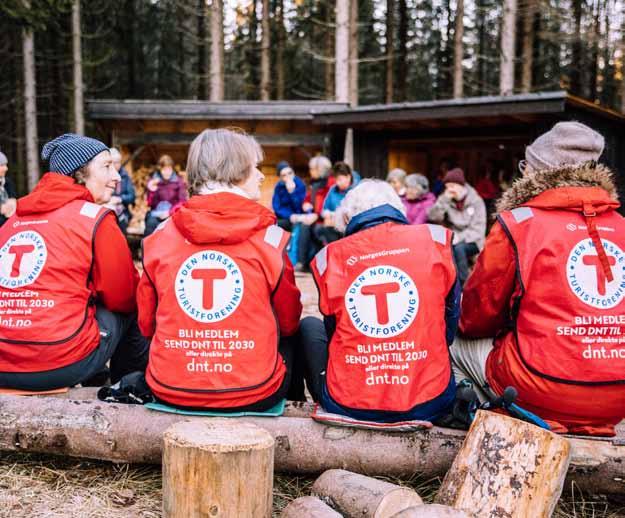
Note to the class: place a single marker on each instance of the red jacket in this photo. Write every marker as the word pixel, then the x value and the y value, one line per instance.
pixel 228 224
pixel 115 277
pixel 487 305
pixel 57 275
pixel 317 192
pixel 389 351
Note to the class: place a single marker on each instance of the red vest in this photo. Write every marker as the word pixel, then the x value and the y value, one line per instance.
pixel 216 331
pixel 47 318
pixel 570 320
pixel 387 286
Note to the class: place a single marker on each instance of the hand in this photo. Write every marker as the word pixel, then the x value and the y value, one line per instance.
pixel 307 206
pixel 152 184
pixel 296 218
pixel 290 185
pixel 328 219
pixel 310 219
pixel 8 207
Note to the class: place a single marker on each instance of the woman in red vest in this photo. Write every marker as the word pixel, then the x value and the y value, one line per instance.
pixel 550 286
pixel 218 296
pixel 390 300
pixel 67 280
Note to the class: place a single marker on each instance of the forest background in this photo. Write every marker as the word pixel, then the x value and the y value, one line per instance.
pixel 56 53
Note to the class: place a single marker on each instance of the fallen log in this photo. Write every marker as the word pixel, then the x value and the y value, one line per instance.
pixel 355 495
pixel 127 433
pixel 507 468
pixel 217 468
pixel 309 507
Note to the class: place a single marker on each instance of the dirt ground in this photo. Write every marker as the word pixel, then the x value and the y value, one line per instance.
pixel 53 487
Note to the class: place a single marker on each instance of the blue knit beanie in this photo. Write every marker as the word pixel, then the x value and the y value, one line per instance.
pixel 283 164
pixel 70 152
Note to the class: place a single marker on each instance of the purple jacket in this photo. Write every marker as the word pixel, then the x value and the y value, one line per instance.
pixel 174 191
pixel 417 210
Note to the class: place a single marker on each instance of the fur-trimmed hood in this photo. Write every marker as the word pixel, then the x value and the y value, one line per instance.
pixel 563 188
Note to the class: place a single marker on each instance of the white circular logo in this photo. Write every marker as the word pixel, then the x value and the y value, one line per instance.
pixel 383 301
pixel 209 286
pixel 22 259
pixel 587 278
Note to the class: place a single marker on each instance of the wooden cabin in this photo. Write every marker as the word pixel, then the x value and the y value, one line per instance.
pixel 144 130
pixel 476 134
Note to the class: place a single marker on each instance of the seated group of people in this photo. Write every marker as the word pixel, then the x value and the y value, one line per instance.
pixel 458 206
pixel 312 211
pixel 218 323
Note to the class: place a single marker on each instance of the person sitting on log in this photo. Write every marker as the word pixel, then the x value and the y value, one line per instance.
pixel 67 280
pixel 218 296
pixel 550 287
pixel 390 299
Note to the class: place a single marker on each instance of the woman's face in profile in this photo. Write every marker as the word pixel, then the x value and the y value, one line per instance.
pixel 251 185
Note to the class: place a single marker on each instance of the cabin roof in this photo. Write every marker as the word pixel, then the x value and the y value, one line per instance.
pixel 103 109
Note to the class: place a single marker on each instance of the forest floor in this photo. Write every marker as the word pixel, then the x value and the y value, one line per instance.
pixel 45 486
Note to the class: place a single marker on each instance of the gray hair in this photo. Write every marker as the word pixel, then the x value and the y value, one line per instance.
pixel 322 164
pixel 367 195
pixel 221 155
pixel 115 154
pixel 417 180
pixel 396 174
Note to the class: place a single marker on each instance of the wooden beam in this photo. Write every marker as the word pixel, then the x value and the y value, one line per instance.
pixel 280 140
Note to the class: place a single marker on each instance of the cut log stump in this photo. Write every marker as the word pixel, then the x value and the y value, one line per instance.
pixel 506 467
pixel 432 511
pixel 363 497
pixel 217 469
pixel 309 507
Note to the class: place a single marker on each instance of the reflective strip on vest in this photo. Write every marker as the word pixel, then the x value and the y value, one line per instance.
pixel 322 260
pixel 273 235
pixel 521 214
pixel 439 234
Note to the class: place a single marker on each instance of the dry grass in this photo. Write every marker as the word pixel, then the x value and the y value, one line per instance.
pixel 53 487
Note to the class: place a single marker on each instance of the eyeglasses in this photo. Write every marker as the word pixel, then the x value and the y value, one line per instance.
pixel 522 166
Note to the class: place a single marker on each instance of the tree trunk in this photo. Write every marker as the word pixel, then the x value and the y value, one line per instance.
pixel 30 104
pixel 202 53
pixel 328 53
pixel 265 62
pixel 459 51
pixel 353 52
pixel 309 507
pixel 528 46
pixel 508 47
pixel 594 61
pixel 507 468
pixel 357 495
pixel 79 86
pixel 217 51
pixel 432 511
pixel 217 468
pixel 402 52
pixel 576 65
pixel 128 433
pixel 341 73
pixel 390 49
pixel 280 83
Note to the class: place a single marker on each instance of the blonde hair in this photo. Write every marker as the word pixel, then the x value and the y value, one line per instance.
pixel 221 155
pixel 322 164
pixel 365 196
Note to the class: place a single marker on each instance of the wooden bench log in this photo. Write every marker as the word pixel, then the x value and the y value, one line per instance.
pixel 308 507
pixel 358 496
pixel 507 468
pixel 128 433
pixel 217 468
pixel 432 511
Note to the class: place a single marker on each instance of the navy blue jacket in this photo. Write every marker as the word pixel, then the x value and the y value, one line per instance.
pixel 435 408
pixel 286 203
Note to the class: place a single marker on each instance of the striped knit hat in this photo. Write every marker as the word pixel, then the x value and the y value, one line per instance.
pixel 70 152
